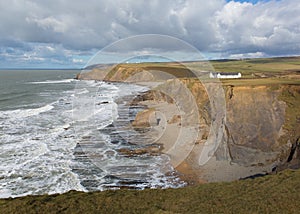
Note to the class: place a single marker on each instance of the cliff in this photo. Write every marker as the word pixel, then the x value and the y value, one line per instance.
pixel 136 72
pixel 258 133
pixel 260 125
pixel 261 130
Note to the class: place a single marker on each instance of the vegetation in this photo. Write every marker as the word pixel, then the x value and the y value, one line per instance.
pixel 269 194
pixel 254 71
pixel 291 96
pixel 263 67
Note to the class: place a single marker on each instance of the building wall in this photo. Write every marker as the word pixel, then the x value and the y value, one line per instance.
pixel 222 76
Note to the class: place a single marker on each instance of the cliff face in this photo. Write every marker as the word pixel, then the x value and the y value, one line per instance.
pixel 261 128
pixel 254 125
pixel 262 121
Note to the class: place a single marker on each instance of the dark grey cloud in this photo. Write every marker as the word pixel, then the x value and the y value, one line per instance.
pixel 72 27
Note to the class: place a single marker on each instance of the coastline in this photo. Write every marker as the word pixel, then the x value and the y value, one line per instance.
pixel 258 130
pixel 259 159
pixel 275 187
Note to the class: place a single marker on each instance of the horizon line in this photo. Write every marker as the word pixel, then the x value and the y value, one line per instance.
pixel 113 63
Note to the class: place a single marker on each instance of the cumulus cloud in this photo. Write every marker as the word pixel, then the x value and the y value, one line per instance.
pixel 272 28
pixel 78 27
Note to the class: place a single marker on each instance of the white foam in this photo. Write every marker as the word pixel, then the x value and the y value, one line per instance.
pixel 38 152
pixel 53 81
pixel 5 193
pixel 23 113
pixel 47 158
pixel 82 91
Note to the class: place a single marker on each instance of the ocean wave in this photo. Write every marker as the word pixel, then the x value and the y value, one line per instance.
pixel 53 81
pixel 22 113
pixel 60 147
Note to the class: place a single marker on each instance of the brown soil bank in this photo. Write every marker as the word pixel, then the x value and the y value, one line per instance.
pixel 269 194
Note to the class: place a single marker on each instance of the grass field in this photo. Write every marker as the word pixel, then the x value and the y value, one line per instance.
pixel 269 66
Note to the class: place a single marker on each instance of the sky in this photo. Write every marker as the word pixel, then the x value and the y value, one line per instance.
pixel 66 34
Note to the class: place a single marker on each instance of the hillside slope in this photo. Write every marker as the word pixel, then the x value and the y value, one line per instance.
pixel 270 194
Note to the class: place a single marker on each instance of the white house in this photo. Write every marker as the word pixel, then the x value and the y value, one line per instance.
pixel 222 75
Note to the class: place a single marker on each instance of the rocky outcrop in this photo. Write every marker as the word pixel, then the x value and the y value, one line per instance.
pixel 174 119
pixel 143 118
pixel 254 123
pixel 293 159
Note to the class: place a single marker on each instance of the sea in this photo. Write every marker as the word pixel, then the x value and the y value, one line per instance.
pixel 59 134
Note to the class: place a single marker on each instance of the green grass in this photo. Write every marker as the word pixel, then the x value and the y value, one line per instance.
pixel 270 194
pixel 269 66
pixel 260 81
